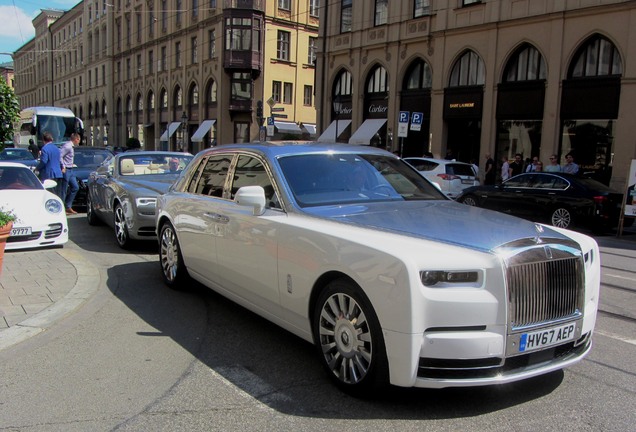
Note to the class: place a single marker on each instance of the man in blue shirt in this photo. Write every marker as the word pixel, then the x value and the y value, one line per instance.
pixel 50 166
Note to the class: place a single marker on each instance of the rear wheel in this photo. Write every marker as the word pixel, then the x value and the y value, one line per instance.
pixel 91 217
pixel 173 270
pixel 349 339
pixel 561 217
pixel 470 200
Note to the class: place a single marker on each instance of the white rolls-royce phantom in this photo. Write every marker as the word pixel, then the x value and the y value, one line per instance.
pixel 352 249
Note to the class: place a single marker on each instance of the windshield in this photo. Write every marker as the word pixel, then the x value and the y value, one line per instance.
pixel 90 158
pixel 332 179
pixel 60 127
pixel 18 178
pixel 156 164
pixel 16 154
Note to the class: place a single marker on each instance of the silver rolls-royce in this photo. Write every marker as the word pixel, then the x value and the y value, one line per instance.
pixel 350 248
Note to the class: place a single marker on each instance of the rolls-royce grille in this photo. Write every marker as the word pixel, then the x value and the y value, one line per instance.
pixel 544 291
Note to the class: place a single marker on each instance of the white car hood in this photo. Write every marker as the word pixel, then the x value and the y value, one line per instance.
pixel 445 221
pixel 26 205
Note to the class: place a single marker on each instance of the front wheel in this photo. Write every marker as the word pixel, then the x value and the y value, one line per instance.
pixel 349 339
pixel 173 269
pixel 91 217
pixel 561 217
pixel 121 230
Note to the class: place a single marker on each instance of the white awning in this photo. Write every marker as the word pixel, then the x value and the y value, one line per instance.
pixel 287 127
pixel 309 128
pixel 204 128
pixel 366 131
pixel 172 128
pixel 330 133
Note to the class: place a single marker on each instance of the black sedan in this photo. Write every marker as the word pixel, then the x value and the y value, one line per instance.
pixel 86 160
pixel 559 199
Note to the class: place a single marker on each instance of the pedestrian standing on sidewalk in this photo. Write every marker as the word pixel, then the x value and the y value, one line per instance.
pixel 49 166
pixel 570 167
pixel 553 166
pixel 505 169
pixel 69 182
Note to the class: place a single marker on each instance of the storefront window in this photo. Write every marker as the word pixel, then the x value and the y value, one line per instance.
pixel 591 142
pixel 518 136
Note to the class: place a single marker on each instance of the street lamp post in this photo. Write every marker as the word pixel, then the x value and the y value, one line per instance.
pixel 184 125
pixel 337 106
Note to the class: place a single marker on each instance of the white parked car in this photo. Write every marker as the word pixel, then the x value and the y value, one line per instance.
pixel 40 214
pixel 452 177
pixel 350 248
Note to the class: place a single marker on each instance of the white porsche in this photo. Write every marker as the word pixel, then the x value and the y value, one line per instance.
pixel 40 214
pixel 350 248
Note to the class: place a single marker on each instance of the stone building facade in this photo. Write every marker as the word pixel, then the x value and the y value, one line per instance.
pixel 475 78
pixel 176 74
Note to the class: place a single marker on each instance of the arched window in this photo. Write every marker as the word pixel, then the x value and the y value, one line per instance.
pixel 178 97
pixel 90 110
pixel 194 95
pixel 104 110
pixel 151 100
pixel 343 84
pixel 418 76
pixel 597 57
pixel 97 111
pixel 377 81
pixel 129 105
pixel 526 64
pixel 140 102
pixel 212 92
pixel 164 99
pixel 468 70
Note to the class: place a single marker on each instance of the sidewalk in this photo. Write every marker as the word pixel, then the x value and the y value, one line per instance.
pixel 40 287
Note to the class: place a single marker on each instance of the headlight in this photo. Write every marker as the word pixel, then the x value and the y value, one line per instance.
pixel 146 202
pixel 53 206
pixel 433 277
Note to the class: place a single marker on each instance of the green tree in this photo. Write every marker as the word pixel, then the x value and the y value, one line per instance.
pixel 9 111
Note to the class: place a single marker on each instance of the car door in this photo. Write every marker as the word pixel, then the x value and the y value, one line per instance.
pixel 549 192
pixel 100 180
pixel 509 197
pixel 202 223
pixel 248 245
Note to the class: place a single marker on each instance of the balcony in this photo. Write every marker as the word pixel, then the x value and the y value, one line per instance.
pixel 233 59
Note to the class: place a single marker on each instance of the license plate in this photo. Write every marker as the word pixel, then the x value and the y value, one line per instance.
pixel 546 337
pixel 20 231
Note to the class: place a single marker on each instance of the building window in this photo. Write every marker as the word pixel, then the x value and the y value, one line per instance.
pixel 139 27
pixel 104 75
pixel 419 76
pixel 118 75
pixel 164 15
pixel 151 25
pixel 164 99
pixel 238 34
pixel 284 4
pixel 381 12
pixel 139 67
pixel 90 79
pixel 308 95
pixel 195 9
pixel 468 70
pixel 276 89
pixel 194 55
pixel 470 2
pixel 378 82
pixel 151 62
pixel 211 43
pixel 212 93
pixel 241 86
pixel 311 58
pixel 598 57
pixel 164 59
pixel 345 16
pixel 421 8
pixel 212 4
pixel 314 7
pixel 178 12
pixel 526 64
pixel 282 49
pixel 177 54
pixel 288 90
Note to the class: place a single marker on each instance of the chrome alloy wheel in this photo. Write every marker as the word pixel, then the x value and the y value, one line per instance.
pixel 121 232
pixel 561 218
pixel 169 254
pixel 345 338
pixel 469 200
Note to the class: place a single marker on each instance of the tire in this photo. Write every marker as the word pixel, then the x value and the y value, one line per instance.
pixel 470 200
pixel 91 217
pixel 121 230
pixel 561 217
pixel 173 270
pixel 349 339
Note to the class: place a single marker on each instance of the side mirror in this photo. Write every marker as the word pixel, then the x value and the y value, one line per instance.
pixel 251 196
pixel 49 184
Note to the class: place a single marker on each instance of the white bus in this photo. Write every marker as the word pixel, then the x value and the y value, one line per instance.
pixel 34 121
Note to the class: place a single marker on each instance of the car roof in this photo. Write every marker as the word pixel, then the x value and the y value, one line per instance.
pixel 13 164
pixel 275 149
pixel 438 161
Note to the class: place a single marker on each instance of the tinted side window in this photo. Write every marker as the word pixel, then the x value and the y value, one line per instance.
pixel 421 165
pixel 213 176
pixel 460 169
pixel 249 171
pixel 520 181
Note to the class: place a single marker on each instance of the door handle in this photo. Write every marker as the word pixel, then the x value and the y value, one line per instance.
pixel 217 217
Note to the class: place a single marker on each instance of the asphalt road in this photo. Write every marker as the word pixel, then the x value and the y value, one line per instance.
pixel 140 357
